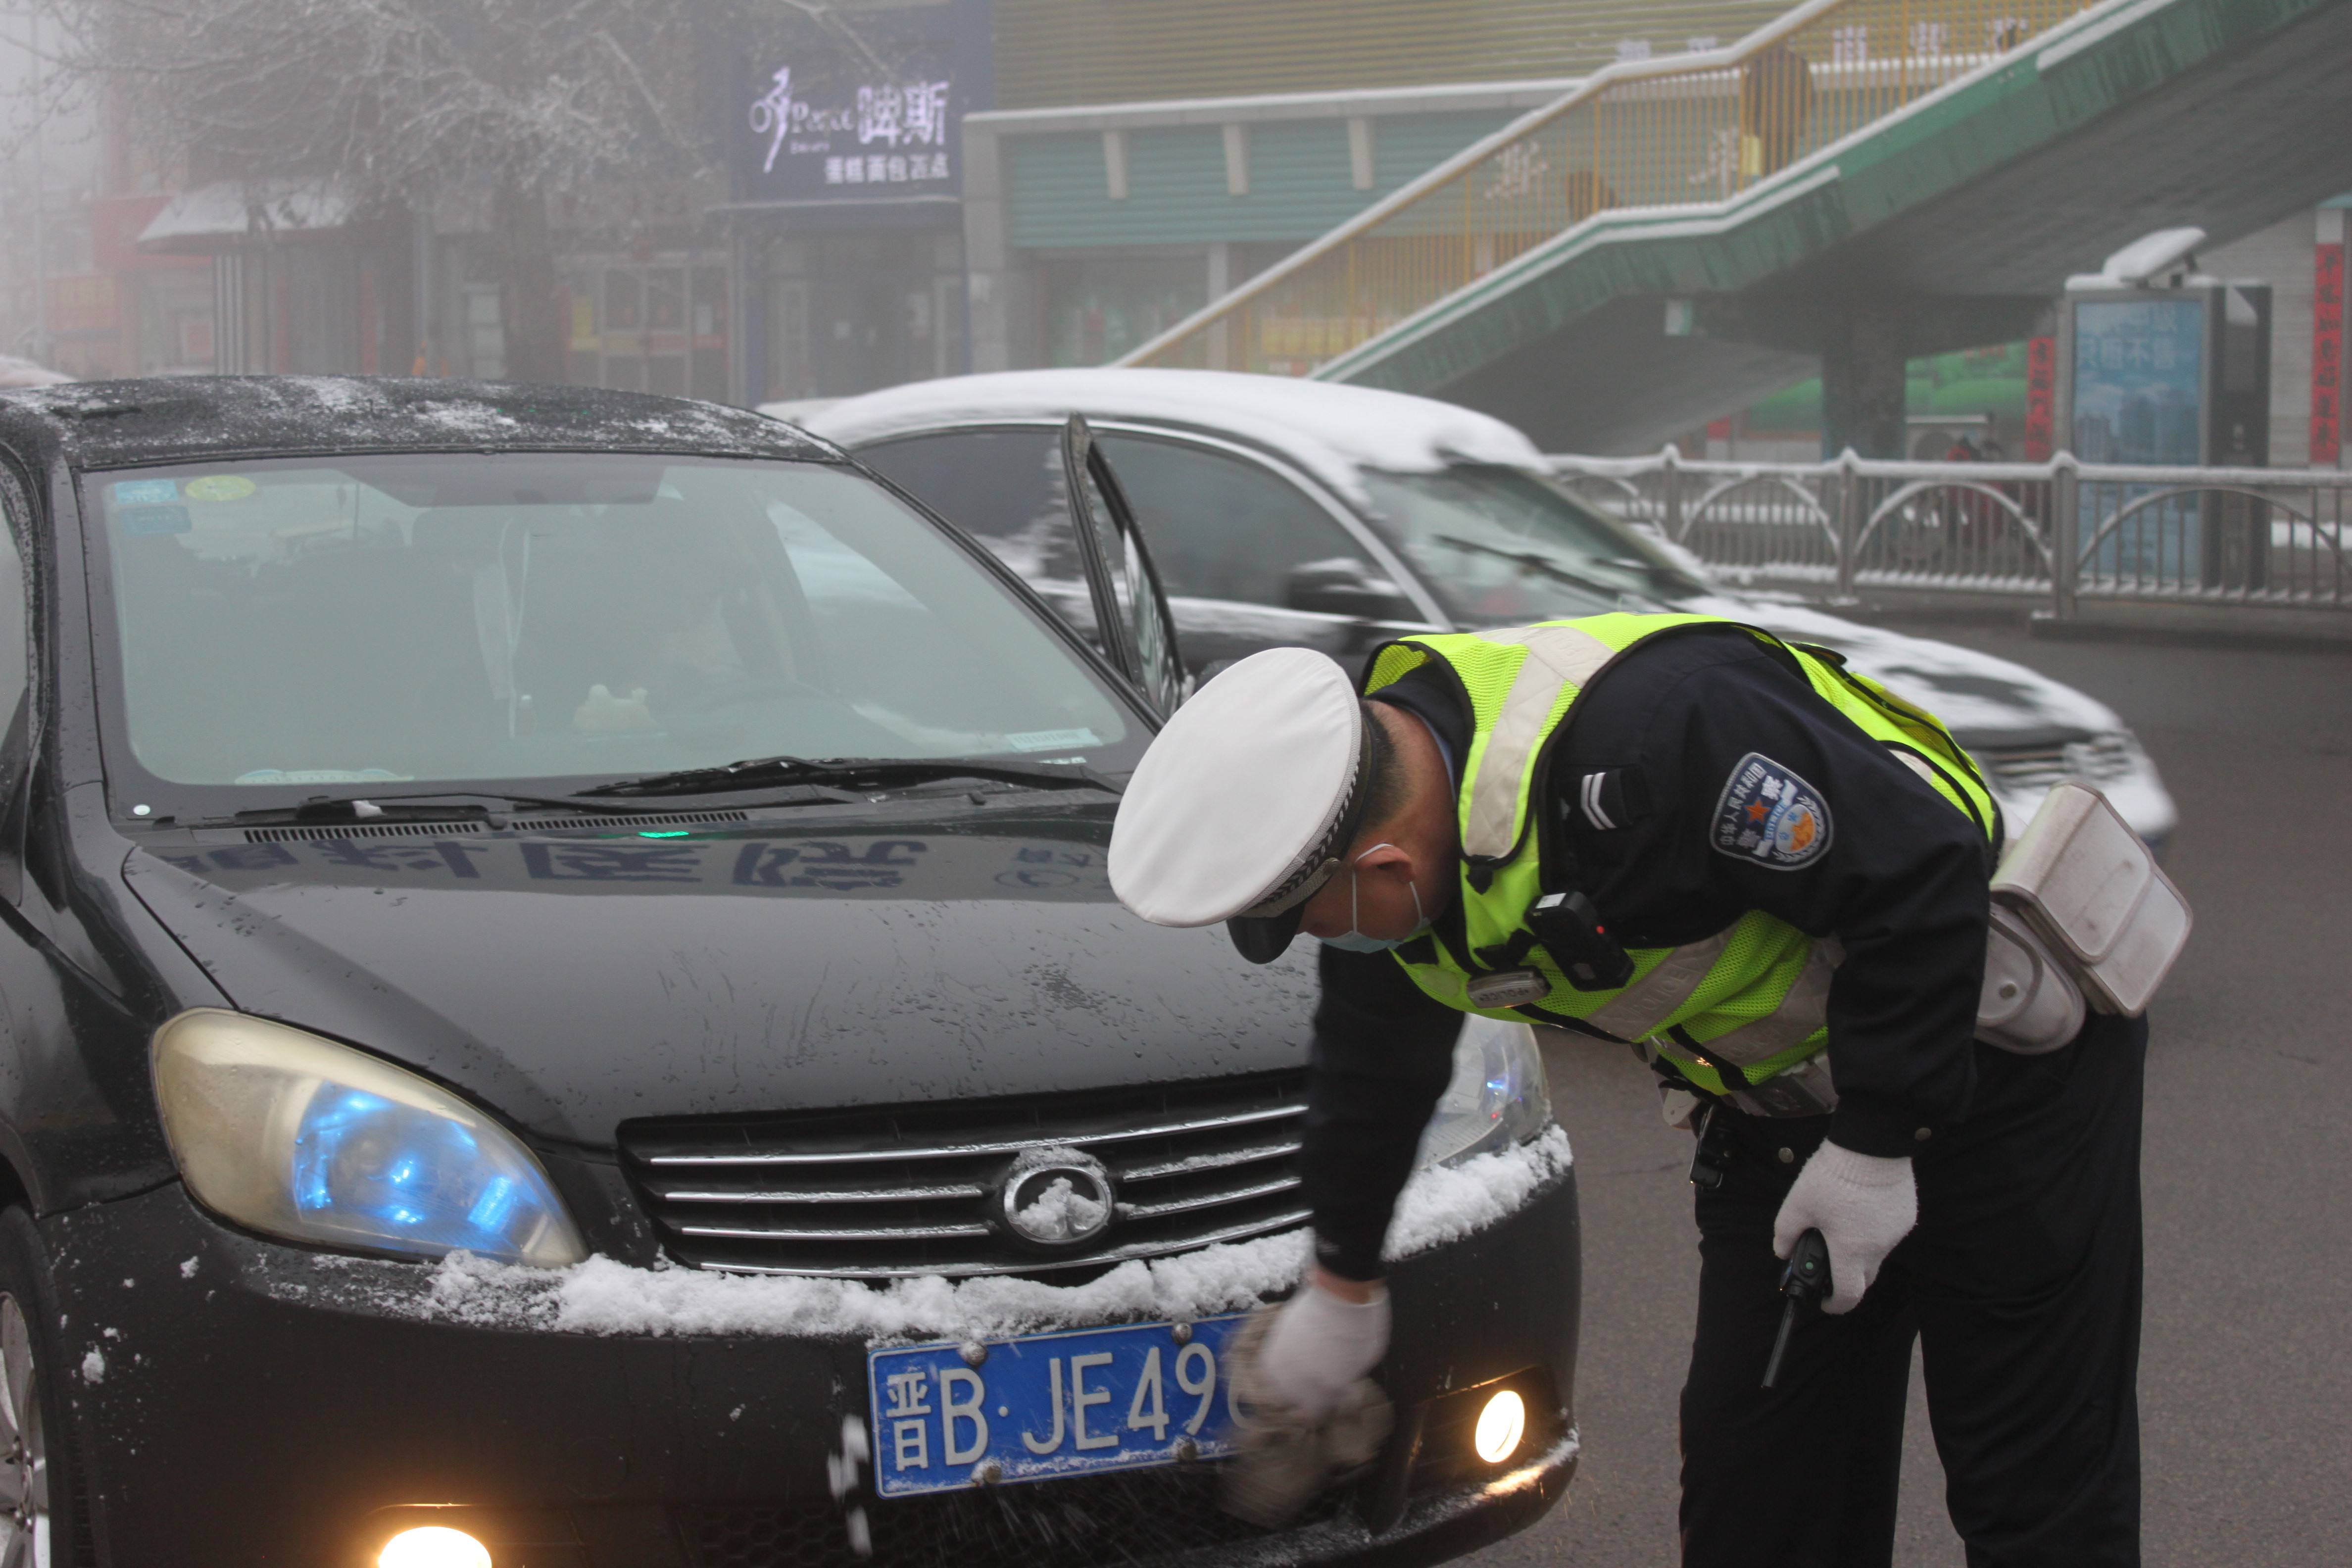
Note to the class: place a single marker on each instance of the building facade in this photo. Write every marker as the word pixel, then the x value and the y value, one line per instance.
pixel 1093 229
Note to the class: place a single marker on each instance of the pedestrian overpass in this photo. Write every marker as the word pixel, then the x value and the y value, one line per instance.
pixel 1859 183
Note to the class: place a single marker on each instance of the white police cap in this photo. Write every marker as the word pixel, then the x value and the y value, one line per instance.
pixel 1245 802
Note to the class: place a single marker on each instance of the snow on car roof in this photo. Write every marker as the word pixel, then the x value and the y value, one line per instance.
pixel 1333 430
pixel 198 417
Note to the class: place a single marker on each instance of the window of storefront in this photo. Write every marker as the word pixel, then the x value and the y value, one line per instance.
pixel 658 325
pixel 850 312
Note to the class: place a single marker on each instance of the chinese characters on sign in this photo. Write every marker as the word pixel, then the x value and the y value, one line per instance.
pixel 2328 357
pixel 878 133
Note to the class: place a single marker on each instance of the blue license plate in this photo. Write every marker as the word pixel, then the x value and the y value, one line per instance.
pixel 1049 1405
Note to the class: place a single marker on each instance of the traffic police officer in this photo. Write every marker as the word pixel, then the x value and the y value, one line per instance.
pixel 1768 875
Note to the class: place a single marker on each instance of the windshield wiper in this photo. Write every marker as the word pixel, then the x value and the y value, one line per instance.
pixel 853 772
pixel 436 805
pixel 1530 561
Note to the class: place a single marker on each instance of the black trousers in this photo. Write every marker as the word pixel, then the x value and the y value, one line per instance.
pixel 2021 1286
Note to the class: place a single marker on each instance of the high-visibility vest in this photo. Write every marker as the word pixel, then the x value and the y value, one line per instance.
pixel 1754 996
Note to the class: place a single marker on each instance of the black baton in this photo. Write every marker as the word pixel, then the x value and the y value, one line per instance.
pixel 1806 1278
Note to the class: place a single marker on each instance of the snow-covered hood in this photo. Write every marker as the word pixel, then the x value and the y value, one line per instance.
pixel 575 982
pixel 1333 430
pixel 1981 699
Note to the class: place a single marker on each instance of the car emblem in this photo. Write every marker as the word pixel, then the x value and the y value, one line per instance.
pixel 1056 1197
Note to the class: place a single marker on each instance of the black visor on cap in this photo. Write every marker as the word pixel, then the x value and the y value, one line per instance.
pixel 1262 939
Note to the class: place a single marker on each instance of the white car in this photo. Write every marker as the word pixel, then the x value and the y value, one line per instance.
pixel 1282 512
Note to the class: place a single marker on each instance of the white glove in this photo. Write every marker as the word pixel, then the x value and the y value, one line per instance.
pixel 1318 1346
pixel 1862 1204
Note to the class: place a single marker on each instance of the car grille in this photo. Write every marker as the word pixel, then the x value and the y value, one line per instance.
pixel 904 1190
pixel 2030 770
pixel 1079 1523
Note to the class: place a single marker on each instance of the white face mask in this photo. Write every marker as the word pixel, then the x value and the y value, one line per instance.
pixel 1354 941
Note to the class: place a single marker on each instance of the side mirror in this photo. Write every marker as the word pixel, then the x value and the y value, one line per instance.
pixel 1345 586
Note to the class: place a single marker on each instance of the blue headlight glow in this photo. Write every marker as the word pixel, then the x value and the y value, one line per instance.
pixel 309 1140
pixel 408 1175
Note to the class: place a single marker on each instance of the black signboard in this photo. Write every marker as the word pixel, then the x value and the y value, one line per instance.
pixel 855 106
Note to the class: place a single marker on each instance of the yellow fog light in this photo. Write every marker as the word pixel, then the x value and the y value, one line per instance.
pixel 1500 1426
pixel 437 1547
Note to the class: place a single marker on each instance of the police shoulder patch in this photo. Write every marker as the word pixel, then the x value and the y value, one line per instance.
pixel 1770 817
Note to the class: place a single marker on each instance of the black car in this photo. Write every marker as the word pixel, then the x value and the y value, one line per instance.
pixel 562 1008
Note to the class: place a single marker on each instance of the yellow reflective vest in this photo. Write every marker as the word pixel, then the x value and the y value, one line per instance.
pixel 1753 998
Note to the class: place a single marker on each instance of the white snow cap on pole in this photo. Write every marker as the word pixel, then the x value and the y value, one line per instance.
pixel 2144 260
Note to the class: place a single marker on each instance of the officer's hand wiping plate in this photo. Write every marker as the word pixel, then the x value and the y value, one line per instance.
pixel 1305 1412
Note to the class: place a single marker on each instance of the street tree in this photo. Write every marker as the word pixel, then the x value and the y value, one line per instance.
pixel 397 103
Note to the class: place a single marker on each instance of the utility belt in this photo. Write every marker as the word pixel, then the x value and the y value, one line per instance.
pixel 2084 920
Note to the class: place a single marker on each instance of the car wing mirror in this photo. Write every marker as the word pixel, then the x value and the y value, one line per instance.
pixel 1342 586
pixel 1132 621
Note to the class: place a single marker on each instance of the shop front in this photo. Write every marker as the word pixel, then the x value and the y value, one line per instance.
pixel 844 163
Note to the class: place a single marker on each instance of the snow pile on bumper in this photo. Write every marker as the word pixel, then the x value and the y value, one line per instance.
pixel 603 1297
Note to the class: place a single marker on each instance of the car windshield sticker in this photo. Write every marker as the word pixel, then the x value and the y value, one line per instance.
pixel 1052 740
pixel 140 521
pixel 1770 816
pixel 220 487
pixel 146 492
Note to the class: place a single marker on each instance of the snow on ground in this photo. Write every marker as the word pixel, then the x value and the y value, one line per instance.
pixel 603 1297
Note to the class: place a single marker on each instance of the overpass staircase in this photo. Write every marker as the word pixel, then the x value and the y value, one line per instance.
pixel 1854 184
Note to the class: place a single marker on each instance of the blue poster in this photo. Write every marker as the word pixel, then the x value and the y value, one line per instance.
pixel 2140 381
pixel 2139 398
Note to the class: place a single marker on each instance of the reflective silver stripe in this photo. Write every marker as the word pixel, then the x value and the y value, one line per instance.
pixel 1635 1012
pixel 1557 657
pixel 1592 811
pixel 1802 1011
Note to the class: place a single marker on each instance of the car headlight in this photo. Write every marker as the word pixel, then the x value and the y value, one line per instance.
pixel 287 1133
pixel 1497 1096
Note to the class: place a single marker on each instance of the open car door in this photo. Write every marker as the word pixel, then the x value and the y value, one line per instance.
pixel 1131 618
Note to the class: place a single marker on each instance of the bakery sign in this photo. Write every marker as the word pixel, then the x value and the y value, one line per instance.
pixel 886 133
pixel 831 116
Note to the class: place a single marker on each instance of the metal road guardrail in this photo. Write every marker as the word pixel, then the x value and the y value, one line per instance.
pixel 2062 530
pixel 1685 131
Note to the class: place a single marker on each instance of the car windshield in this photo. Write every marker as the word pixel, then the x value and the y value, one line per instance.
pixel 1498 546
pixel 337 626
